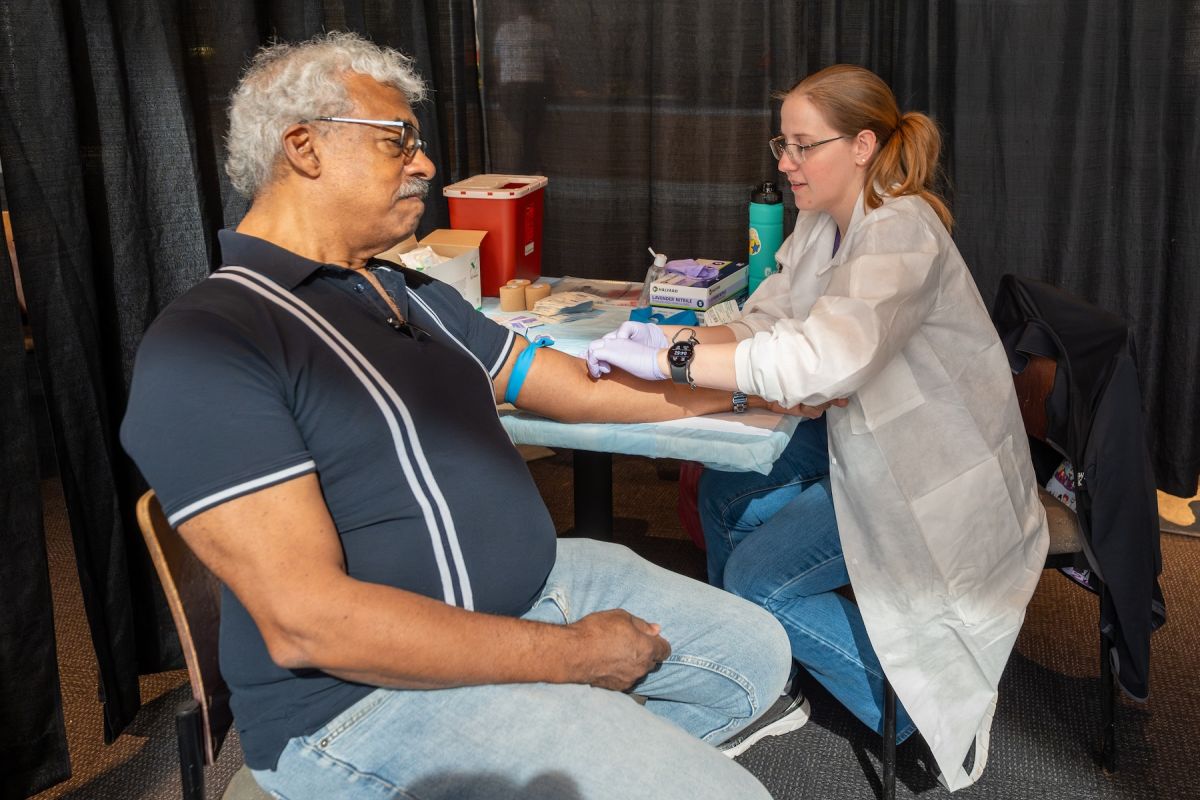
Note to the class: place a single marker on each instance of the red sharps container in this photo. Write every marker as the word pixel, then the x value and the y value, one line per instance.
pixel 509 208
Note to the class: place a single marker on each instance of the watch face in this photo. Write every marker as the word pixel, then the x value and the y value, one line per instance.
pixel 681 353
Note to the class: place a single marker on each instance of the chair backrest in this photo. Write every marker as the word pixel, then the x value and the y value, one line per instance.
pixel 1034 384
pixel 194 597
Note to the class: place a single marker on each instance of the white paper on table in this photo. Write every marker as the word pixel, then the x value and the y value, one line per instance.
pixel 754 422
pixel 722 314
pixel 608 294
pixel 564 303
pixel 523 322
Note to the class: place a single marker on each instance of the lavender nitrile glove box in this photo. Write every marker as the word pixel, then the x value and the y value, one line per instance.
pixel 673 290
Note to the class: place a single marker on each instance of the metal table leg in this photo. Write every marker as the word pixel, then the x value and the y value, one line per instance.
pixel 593 495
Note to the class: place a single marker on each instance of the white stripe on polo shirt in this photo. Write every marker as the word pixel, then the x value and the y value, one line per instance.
pixel 240 489
pixel 374 383
pixel 504 351
pixel 454 548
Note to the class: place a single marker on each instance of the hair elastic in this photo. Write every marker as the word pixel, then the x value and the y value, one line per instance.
pixel 517 378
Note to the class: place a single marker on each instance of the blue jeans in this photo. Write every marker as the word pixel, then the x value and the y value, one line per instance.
pixel 733 505
pixel 773 540
pixel 729 662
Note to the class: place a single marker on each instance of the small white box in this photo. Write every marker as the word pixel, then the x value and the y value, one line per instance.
pixel 461 271
pixel 674 290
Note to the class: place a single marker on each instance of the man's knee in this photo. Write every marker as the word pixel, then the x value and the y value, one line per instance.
pixel 776 637
pixel 768 645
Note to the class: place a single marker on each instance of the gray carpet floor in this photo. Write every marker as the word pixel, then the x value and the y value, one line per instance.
pixel 1042 741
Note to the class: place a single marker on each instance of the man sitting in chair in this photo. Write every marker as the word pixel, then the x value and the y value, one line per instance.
pixel 398 616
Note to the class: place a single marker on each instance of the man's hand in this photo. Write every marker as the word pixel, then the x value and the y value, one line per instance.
pixel 812 412
pixel 617 649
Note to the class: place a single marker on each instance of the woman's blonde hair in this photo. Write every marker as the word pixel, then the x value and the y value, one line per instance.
pixel 853 99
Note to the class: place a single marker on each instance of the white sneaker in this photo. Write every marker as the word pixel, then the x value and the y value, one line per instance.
pixel 789 713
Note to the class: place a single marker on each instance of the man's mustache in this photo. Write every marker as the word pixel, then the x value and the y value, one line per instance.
pixel 413 187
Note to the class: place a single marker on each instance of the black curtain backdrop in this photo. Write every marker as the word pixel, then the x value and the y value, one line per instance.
pixel 33 746
pixel 112 117
pixel 1070 140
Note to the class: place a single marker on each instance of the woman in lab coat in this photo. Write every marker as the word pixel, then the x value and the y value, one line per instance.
pixel 937 527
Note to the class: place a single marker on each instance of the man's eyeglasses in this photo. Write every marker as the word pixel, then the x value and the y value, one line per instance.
pixel 796 153
pixel 409 141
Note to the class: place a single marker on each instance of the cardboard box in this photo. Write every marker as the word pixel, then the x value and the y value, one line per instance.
pixel 461 271
pixel 679 291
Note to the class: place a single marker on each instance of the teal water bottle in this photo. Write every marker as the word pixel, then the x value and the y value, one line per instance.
pixel 766 231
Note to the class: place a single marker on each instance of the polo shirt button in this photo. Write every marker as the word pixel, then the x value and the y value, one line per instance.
pixel 358 287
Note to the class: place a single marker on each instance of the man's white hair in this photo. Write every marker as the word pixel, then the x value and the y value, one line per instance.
pixel 290 83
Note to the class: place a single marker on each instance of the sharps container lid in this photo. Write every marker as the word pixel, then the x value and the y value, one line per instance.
pixel 500 187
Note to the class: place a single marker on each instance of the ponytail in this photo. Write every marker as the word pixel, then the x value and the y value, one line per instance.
pixel 907 163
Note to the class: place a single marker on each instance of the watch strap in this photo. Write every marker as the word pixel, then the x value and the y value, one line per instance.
pixel 682 373
pixel 679 374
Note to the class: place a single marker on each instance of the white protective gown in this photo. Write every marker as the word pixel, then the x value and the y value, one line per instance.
pixel 943 534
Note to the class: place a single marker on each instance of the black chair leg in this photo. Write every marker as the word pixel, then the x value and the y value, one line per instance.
pixel 1108 697
pixel 189 730
pixel 889 741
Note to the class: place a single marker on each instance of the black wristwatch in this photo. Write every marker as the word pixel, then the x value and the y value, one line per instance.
pixel 680 356
pixel 739 402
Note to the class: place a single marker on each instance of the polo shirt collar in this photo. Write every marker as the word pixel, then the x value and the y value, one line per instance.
pixel 282 266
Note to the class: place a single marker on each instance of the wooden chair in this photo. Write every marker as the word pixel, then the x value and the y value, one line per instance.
pixel 1033 385
pixel 194 597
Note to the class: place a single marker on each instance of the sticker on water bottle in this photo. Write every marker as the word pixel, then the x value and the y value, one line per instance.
pixel 755 243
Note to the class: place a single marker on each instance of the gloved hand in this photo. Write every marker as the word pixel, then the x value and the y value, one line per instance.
pixel 637 359
pixel 646 333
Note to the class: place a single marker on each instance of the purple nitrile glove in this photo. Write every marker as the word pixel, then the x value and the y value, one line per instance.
pixel 646 333
pixel 692 268
pixel 596 368
pixel 639 360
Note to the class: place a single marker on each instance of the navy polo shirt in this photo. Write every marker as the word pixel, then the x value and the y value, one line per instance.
pixel 276 366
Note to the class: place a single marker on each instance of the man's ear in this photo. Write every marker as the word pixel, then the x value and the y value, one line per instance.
pixel 299 147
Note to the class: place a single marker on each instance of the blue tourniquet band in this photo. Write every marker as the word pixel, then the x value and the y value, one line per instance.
pixel 522 366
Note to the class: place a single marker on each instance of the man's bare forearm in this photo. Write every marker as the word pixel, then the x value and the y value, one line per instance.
pixel 559 387
pixel 383 636
pixel 291 577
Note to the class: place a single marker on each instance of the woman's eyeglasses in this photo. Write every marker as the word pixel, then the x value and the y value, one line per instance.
pixel 796 153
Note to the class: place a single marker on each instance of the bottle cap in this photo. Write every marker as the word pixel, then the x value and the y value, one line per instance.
pixel 767 193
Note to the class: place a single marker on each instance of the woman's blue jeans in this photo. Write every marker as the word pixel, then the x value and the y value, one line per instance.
pixel 538 741
pixel 773 539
